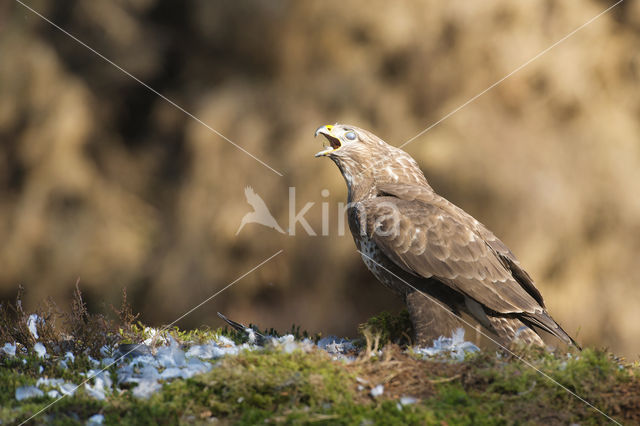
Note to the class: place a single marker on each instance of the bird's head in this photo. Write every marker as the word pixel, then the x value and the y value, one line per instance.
pixel 343 140
pixel 354 150
pixel 362 156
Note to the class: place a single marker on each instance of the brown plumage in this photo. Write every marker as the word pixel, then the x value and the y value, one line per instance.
pixel 407 233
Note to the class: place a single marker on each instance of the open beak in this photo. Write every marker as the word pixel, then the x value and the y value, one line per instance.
pixel 332 143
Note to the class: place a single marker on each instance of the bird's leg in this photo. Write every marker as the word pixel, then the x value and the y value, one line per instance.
pixel 430 319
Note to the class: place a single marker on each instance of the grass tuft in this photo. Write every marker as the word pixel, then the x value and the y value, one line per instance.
pixel 389 327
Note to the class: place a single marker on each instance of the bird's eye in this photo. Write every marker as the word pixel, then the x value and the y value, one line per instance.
pixel 350 135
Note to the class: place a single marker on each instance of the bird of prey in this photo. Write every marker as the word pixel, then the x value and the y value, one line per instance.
pixel 260 213
pixel 414 241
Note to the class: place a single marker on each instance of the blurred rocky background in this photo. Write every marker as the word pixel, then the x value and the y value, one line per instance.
pixel 103 181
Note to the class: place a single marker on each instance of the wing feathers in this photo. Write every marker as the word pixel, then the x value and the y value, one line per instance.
pixel 429 236
pixel 427 240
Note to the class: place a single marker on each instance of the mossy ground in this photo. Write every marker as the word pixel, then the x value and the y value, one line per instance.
pixel 310 387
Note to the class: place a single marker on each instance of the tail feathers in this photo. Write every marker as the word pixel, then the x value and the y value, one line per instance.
pixel 548 324
pixel 511 329
pixel 522 329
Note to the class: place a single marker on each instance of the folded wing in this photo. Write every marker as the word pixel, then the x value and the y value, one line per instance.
pixel 428 236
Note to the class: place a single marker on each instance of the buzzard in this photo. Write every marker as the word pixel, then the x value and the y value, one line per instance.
pixel 415 241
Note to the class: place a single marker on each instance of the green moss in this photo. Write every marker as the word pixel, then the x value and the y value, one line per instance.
pixel 391 328
pixel 497 392
pixel 258 383
pixel 301 387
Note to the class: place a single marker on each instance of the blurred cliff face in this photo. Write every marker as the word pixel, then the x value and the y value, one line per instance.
pixel 103 180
